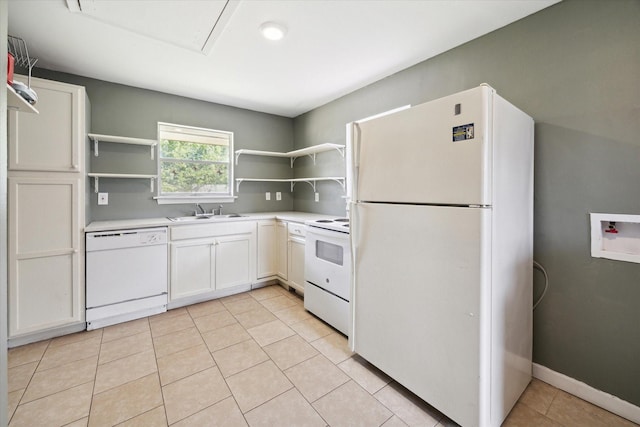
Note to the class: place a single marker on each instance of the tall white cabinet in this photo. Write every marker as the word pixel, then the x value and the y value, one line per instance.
pixel 46 185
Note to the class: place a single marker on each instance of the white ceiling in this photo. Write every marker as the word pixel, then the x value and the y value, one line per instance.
pixel 212 50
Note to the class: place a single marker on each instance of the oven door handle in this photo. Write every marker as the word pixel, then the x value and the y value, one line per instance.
pixel 325 233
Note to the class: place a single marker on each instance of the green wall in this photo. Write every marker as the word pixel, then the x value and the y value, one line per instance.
pixel 134 112
pixel 575 68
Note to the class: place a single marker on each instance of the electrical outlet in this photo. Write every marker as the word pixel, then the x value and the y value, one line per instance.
pixel 267 196
pixel 317 197
pixel 278 195
pixel 103 198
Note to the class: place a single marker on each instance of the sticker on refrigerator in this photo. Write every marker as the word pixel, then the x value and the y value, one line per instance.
pixel 462 133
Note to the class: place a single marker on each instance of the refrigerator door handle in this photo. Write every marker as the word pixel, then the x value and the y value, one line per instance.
pixel 356 134
pixel 353 235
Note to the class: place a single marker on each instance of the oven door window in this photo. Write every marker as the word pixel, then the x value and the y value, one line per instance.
pixel 329 252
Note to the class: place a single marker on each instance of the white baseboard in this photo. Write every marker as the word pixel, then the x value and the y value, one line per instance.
pixel 585 392
pixel 46 334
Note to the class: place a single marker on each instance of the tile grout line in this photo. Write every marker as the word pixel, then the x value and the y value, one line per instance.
pixel 318 352
pixel 95 378
pixel 59 391
pixel 268 360
pixel 293 386
pixel 155 355
pixel 262 348
pixel 29 383
pixel 223 379
pixel 121 357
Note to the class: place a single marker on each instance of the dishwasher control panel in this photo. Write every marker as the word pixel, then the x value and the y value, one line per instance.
pixel 126 238
pixel 152 238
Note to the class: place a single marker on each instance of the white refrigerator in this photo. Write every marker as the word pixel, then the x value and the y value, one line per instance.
pixel 442 245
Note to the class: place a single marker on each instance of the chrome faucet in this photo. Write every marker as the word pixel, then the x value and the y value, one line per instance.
pixel 219 209
pixel 199 208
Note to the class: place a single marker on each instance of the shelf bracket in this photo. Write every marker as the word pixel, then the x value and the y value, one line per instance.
pixel 151 181
pixel 96 184
pixel 152 152
pixel 95 147
pixel 312 155
pixel 341 182
pixel 237 157
pixel 238 181
pixel 312 183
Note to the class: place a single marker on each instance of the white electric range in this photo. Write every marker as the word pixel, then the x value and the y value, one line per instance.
pixel 328 271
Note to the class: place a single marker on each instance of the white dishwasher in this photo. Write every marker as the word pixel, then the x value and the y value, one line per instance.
pixel 126 275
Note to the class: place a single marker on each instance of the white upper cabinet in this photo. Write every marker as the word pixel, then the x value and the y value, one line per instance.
pixel 52 140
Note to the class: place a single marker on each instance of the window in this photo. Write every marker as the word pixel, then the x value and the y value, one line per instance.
pixel 194 164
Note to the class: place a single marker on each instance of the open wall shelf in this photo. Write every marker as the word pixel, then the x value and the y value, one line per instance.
pixel 97 138
pixel 96 178
pixel 311 181
pixel 293 155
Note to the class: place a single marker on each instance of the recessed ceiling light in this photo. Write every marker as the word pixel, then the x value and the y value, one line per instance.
pixel 273 31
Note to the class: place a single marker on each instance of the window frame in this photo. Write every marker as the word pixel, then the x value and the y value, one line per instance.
pixel 177 198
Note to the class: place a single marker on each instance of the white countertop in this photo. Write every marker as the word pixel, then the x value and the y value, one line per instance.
pixel 125 224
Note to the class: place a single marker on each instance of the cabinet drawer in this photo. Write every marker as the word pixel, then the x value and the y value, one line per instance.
pixel 211 230
pixel 296 229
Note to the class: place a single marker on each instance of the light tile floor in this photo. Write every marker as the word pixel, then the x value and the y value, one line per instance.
pixel 256 358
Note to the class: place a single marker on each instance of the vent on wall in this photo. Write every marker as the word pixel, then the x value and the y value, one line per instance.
pixel 189 24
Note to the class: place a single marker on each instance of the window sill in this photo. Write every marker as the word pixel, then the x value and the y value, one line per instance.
pixel 177 200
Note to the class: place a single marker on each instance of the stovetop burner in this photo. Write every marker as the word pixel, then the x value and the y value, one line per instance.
pixel 335 224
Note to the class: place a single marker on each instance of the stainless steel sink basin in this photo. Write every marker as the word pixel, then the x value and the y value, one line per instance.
pixel 212 217
pixel 188 218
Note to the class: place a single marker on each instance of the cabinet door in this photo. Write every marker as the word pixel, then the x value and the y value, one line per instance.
pixel 46 255
pixel 192 267
pixel 282 249
pixel 53 140
pixel 296 263
pixel 234 262
pixel 266 264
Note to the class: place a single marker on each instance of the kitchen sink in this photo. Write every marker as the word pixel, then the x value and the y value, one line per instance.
pixel 188 218
pixel 192 218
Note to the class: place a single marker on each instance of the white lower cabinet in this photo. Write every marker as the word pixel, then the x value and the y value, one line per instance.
pixel 213 260
pixel 267 255
pixel 46 287
pixel 234 260
pixel 192 267
pixel 208 259
pixel 295 254
pixel 282 247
